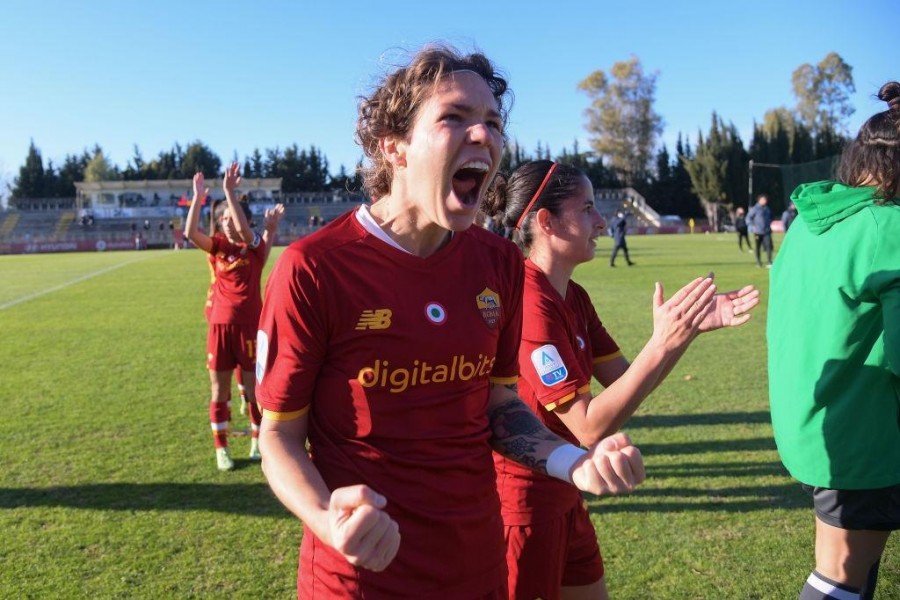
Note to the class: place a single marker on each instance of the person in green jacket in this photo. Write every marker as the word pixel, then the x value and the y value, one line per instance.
pixel 834 356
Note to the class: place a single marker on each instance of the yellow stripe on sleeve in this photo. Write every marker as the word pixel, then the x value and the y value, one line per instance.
pixel 284 416
pixel 563 400
pixel 568 398
pixel 608 357
pixel 504 380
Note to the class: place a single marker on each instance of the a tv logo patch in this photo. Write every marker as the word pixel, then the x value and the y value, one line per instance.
pixel 549 365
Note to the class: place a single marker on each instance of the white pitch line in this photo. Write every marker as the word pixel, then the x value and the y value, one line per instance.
pixel 63 286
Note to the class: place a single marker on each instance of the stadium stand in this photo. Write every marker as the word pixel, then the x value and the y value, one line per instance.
pixel 60 228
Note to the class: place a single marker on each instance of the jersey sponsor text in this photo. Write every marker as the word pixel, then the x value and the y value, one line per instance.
pixel 397 380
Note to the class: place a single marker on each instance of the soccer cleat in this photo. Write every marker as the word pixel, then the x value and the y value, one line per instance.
pixel 254 450
pixel 223 459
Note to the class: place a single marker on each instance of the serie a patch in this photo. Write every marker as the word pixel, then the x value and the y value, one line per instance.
pixel 549 365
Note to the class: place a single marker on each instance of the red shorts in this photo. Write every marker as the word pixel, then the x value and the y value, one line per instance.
pixel 544 557
pixel 228 346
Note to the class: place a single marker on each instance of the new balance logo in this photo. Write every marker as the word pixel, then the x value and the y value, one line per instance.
pixel 374 319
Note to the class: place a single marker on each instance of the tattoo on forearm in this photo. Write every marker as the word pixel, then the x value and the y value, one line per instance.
pixel 517 433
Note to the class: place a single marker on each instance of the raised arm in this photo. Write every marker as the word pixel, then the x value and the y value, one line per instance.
pixel 271 219
pixel 230 182
pixel 192 226
pixel 675 325
pixel 351 519
pixel 613 466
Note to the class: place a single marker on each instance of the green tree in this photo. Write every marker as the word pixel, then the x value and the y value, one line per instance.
pixel 72 170
pixel 512 157
pixel 621 121
pixel 718 170
pixel 30 182
pixel 686 200
pixel 199 158
pixel 99 168
pixel 136 168
pixel 591 165
pixel 669 191
pixel 823 100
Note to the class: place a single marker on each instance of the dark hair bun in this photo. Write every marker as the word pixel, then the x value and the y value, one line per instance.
pixel 890 93
pixel 494 202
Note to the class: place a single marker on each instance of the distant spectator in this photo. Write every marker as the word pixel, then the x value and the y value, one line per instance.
pixel 740 225
pixel 760 220
pixel 617 229
pixel 146 224
pixel 788 216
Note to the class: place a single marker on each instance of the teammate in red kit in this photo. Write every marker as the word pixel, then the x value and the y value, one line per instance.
pixel 271 218
pixel 552 549
pixel 389 341
pixel 237 255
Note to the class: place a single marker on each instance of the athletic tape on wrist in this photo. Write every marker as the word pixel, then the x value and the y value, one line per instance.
pixel 561 461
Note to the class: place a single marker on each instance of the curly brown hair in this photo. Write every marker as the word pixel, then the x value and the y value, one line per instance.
pixel 390 110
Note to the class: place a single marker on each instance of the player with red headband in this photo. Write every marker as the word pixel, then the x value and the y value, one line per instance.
pixel 236 255
pixel 389 342
pixel 552 549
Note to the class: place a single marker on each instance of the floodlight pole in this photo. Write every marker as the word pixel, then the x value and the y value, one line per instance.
pixel 750 178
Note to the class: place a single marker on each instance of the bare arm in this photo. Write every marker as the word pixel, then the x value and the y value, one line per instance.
pixel 192 226
pixel 271 219
pixel 675 325
pixel 230 182
pixel 612 466
pixel 351 519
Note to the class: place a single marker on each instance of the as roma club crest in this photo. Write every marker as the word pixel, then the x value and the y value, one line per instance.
pixel 488 302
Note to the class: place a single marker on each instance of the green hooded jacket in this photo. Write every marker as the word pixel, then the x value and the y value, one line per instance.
pixel 834 339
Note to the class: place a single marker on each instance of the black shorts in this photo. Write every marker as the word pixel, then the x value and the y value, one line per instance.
pixel 877 510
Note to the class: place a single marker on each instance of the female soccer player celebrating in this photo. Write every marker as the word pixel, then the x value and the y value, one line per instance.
pixel 388 341
pixel 552 549
pixel 237 255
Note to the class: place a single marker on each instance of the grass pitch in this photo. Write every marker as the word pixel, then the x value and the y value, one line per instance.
pixel 108 487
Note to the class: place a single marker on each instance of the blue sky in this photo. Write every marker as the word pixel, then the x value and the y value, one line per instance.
pixel 271 73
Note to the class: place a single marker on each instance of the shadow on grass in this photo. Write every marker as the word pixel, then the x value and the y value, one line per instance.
pixel 241 498
pixel 723 418
pixel 723 469
pixel 735 499
pixel 709 446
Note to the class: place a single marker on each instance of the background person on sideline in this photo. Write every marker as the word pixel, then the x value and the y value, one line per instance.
pixel 237 256
pixel 389 340
pixel 617 229
pixel 740 225
pixel 552 549
pixel 788 216
pixel 760 221
pixel 834 370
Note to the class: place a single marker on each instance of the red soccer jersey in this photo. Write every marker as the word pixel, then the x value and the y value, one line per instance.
pixel 392 355
pixel 561 341
pixel 237 271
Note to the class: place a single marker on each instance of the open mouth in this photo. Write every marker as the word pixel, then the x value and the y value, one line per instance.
pixel 468 179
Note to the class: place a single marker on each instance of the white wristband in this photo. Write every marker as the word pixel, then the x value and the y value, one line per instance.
pixel 561 461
